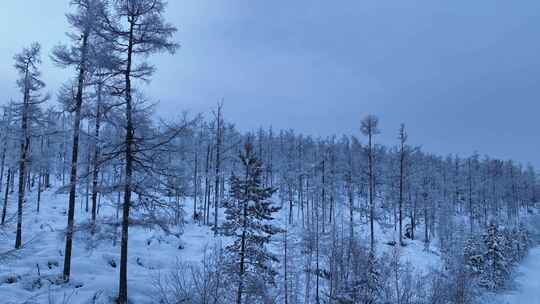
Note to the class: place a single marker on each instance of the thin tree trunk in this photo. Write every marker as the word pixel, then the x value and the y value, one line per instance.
pixel 218 168
pixel 317 271
pixel 118 202
pixel 243 246
pixel 350 193
pixel 195 185
pixel 242 258
pixel 6 196
pixel 22 162
pixel 65 152
pixel 401 173
pixel 95 173
pixel 40 181
pixel 285 274
pixel 3 162
pixel 88 168
pixel 413 214
pixel 74 158
pixel 290 205
pixel 425 200
pixel 207 187
pixel 123 291
pixel 323 195
pixel 371 189
pixel 40 178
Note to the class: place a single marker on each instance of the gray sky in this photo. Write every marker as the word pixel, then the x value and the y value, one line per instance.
pixel 462 75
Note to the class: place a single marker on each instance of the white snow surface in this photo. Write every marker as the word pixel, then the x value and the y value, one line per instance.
pixel 151 253
pixel 527 290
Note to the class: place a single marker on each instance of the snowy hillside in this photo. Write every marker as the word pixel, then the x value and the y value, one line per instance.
pixel 33 274
pixel 30 275
pixel 102 201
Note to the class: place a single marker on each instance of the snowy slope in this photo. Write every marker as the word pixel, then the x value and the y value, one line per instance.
pixel 95 262
pixel 527 282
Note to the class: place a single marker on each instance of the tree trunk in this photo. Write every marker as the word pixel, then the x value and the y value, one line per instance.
pixel 123 291
pixel 285 274
pixel 195 184
pixel 317 269
pixel 95 174
pixel 242 258
pixel 471 212
pixel 323 194
pixel 243 246
pixel 40 181
pixel 218 168
pixel 74 158
pixel 290 204
pixel 401 173
pixel 371 189
pixel 40 178
pixel 351 218
pixel 25 143
pixel 413 217
pixel 6 196
pixel 3 162
pixel 118 202
pixel 88 168
pixel 207 186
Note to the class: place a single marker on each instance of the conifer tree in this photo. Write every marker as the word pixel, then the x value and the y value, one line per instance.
pixel 369 127
pixel 248 215
pixel 495 270
pixel 136 29
pixel 84 23
pixel 27 65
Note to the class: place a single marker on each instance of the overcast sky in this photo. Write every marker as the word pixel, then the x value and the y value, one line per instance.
pixel 463 75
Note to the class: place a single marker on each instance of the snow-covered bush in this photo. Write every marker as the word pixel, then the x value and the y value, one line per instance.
pixel 490 257
pixel 195 283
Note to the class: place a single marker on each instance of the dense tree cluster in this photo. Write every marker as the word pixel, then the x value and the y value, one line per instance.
pixel 490 256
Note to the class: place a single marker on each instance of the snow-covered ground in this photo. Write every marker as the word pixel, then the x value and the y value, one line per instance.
pixel 527 290
pixel 95 264
pixel 31 276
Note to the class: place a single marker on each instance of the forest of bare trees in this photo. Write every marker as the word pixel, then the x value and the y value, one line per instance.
pixel 308 219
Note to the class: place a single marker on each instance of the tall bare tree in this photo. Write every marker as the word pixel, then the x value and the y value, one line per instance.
pixel 83 21
pixel 219 138
pixel 27 65
pixel 402 141
pixel 369 128
pixel 136 28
